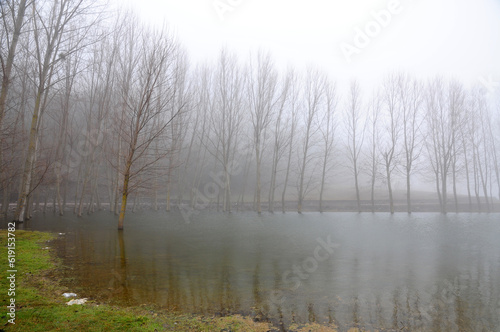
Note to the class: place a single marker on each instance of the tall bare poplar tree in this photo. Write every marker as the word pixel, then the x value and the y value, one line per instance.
pixel 327 128
pixel 261 91
pixel 149 88
pixel 51 22
pixel 281 139
pixel 411 98
pixel 314 91
pixel 226 116
pixel 12 19
pixel 390 145
pixel 355 126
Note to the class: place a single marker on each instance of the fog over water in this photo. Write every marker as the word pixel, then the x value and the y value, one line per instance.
pixel 326 161
pixel 371 270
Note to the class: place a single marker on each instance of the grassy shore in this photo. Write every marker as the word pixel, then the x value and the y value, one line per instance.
pixel 40 305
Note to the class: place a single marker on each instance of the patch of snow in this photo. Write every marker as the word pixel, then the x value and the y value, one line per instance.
pixel 79 301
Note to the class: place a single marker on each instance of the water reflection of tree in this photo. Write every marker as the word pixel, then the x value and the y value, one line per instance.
pixel 261 306
pixel 121 289
pixel 355 318
pixel 277 296
pixel 465 297
pixel 173 282
pixel 227 300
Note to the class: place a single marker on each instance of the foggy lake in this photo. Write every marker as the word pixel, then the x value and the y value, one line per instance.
pixel 327 162
pixel 424 270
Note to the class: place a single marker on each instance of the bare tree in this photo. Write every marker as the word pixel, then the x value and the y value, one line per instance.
pixel 443 125
pixel 295 107
pixel 50 29
pixel 178 125
pixel 281 141
pixel 153 71
pixel 328 129
pixel 457 109
pixel 473 136
pixel 97 84
pixel 466 145
pixel 374 156
pixel 483 148
pixel 13 133
pixel 71 68
pixel 226 119
pixel 314 91
pixel 411 97
pixel 355 126
pixel 389 147
pixel 261 91
pixel 203 99
pixel 494 144
pixel 12 19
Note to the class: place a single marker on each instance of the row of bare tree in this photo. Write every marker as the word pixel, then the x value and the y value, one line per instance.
pixel 97 109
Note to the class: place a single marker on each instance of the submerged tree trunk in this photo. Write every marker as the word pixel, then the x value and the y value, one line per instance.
pixel 444 191
pixel 258 185
pixel 29 163
pixel 322 187
pixel 287 173
pixel 126 179
pixel 467 175
pixel 454 175
pixel 408 193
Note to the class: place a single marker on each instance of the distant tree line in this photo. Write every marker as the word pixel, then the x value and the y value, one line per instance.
pixel 98 111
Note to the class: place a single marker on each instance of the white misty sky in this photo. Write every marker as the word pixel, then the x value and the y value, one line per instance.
pixel 458 38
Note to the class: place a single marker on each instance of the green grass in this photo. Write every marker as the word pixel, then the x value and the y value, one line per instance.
pixel 40 305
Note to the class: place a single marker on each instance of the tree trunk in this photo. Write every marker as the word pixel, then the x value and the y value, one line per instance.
pixel 123 208
pixel 30 159
pixel 168 193
pixel 444 190
pixel 245 180
pixel 322 188
pixel 372 193
pixel 227 200
pixel 258 184
pixel 272 187
pixel 467 175
pixel 476 180
pixel 358 199
pixel 65 191
pixel 408 191
pixel 455 196
pixel 484 185
pixel 389 187
pixel 7 69
pixel 285 184
pixel 45 200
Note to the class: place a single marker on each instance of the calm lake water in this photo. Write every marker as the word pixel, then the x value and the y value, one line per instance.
pixel 424 271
